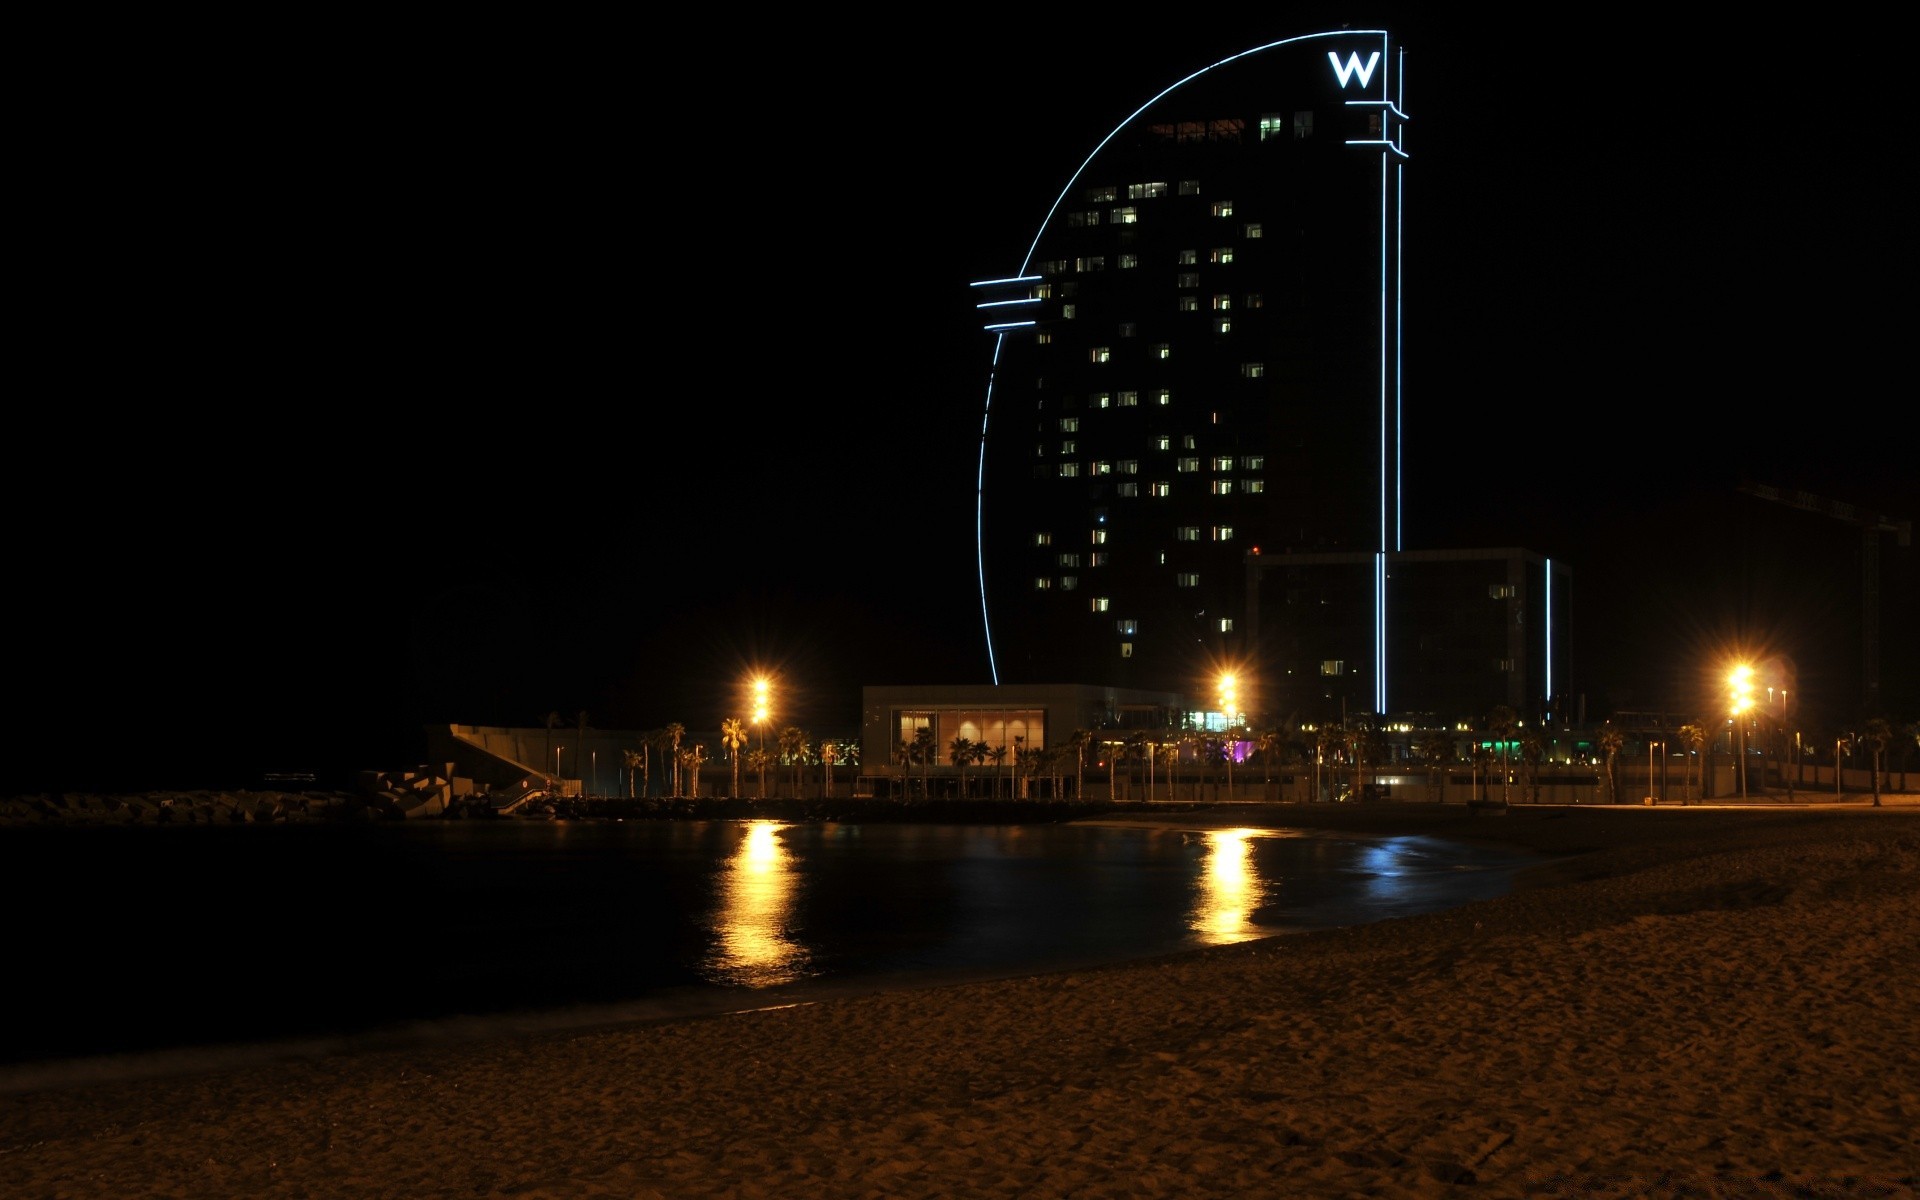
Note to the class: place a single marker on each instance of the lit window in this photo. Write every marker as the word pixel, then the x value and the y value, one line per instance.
pixel 1043 291
pixel 1129 489
pixel 1223 487
pixel 1146 191
pixel 1042 584
pixel 1189 304
pixel 1255 486
pixel 1126 215
pixel 1069 560
pixel 1189 441
pixel 1102 399
pixel 1223 533
pixel 1090 262
pixel 1187 533
pixel 1044 338
pixel 1100 603
pixel 1129 466
pixel 1333 666
pixel 1189 257
pixel 1099 354
pixel 1162 442
pixel 1097 558
pixel 1068 446
pixel 1187 464
pixel 1069 424
pixel 1102 468
pixel 1222 254
pixel 1256 462
pixel 1161 490
pixel 1043 539
pixel 1222 303
pixel 1252 370
pixel 1129 399
pixel 1129 261
pixel 1272 125
pixel 1126 649
pixel 1188 279
pixel 1226 624
pixel 1127 628
pixel 1069 470
pixel 1254 300
pixel 1222 208
pixel 1069 582
pixel 1251 229
pixel 1041 450
pixel 1068 312
pixel 1098 537
pixel 1189 187
pixel 1103 195
pixel 1501 591
pixel 1162 350
pixel 1187 579
pixel 1222 463
pixel 1223 325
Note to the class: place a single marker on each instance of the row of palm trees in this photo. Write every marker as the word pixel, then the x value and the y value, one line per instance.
pixel 794 751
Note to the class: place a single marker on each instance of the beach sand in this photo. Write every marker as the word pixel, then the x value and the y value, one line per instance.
pixel 1676 1002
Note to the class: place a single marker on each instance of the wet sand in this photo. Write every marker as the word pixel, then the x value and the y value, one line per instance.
pixel 1676 1002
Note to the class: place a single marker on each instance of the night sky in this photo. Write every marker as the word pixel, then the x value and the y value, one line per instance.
pixel 472 374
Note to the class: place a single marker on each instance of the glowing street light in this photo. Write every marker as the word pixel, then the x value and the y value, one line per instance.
pixel 556 760
pixel 1741 681
pixel 762 706
pixel 1228 696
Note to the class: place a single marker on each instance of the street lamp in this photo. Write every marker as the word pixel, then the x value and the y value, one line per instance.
pixel 556 760
pixel 1650 748
pixel 1228 686
pixel 1741 681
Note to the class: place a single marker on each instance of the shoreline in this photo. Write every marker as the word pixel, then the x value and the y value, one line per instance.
pixel 1673 1002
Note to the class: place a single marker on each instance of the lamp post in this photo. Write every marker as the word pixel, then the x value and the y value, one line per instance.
pixel 1650 745
pixel 1227 691
pixel 1741 682
pixel 556 760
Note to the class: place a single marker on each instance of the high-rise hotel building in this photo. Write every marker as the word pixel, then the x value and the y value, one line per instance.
pixel 1196 368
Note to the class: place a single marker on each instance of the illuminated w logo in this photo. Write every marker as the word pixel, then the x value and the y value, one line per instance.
pixel 1353 67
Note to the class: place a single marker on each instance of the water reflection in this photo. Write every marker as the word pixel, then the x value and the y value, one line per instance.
pixel 1228 889
pixel 756 888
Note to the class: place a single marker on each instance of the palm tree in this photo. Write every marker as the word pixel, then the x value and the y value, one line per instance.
pixel 1610 740
pixel 996 755
pixel 925 753
pixel 1533 751
pixel 903 758
pixel 1693 736
pixel 632 759
pixel 1877 733
pixel 1501 722
pixel 1437 748
pixel 733 735
pixel 674 732
pixel 757 759
pixel 960 753
pixel 695 756
pixel 1078 744
pixel 793 751
pixel 829 754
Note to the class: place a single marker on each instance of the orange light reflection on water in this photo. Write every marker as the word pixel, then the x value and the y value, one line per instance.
pixel 756 895
pixel 1228 890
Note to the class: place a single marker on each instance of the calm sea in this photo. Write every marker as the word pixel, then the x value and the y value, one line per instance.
pixel 137 940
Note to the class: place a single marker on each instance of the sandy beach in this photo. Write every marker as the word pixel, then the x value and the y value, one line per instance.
pixel 1676 1002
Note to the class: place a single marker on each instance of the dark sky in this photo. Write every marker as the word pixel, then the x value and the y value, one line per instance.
pixel 471 374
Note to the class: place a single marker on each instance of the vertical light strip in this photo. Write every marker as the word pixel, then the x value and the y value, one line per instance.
pixel 1380 634
pixel 1547 649
pixel 980 511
